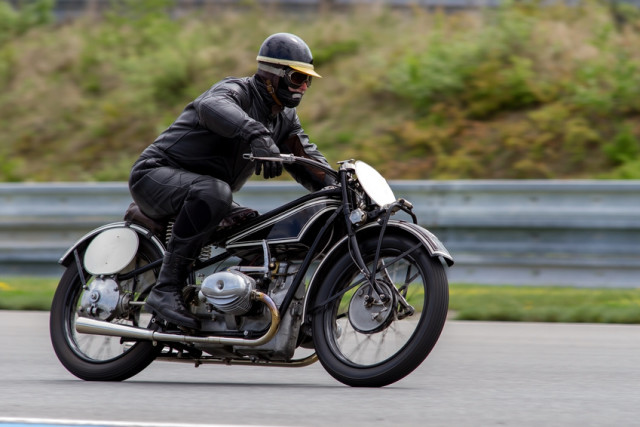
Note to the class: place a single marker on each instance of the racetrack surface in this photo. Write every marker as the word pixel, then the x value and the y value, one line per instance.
pixel 479 374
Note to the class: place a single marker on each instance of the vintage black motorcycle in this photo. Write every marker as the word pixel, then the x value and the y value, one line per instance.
pixel 330 272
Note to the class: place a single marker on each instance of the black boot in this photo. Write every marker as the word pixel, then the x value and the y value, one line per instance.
pixel 192 227
pixel 165 299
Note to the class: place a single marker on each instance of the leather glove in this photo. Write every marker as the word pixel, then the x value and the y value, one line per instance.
pixel 263 146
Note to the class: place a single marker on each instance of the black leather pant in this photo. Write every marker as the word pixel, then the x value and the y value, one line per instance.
pixel 197 202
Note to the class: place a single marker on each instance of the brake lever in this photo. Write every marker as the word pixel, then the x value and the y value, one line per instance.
pixel 284 158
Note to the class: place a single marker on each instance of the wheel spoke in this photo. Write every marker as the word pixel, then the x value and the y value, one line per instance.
pixel 358 351
pixel 79 294
pixel 380 339
pixel 381 344
pixel 101 348
pixel 405 309
pixel 370 348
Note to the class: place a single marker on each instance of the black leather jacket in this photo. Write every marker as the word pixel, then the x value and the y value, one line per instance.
pixel 214 131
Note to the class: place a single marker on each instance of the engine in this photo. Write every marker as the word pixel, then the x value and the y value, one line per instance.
pixel 228 291
pixel 227 306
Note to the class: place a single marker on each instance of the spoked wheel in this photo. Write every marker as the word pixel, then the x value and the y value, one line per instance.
pixel 372 336
pixel 96 357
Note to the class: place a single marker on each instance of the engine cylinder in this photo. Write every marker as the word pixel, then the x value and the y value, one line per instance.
pixel 228 291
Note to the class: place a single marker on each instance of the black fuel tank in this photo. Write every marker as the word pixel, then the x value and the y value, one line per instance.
pixel 295 225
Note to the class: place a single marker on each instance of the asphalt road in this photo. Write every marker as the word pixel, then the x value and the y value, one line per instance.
pixel 479 374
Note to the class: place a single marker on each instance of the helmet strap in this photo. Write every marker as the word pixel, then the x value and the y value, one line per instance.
pixel 272 92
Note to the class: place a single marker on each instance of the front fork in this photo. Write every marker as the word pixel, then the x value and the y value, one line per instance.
pixel 383 218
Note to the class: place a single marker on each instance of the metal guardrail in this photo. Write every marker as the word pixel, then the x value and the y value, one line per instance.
pixel 576 233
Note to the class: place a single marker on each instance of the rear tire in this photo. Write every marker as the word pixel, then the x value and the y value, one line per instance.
pixel 96 357
pixel 364 346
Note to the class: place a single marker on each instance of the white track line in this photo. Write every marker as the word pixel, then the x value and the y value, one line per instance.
pixel 104 423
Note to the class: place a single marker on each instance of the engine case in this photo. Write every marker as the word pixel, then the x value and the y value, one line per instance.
pixel 215 321
pixel 283 345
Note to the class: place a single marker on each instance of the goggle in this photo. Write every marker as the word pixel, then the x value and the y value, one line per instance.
pixel 293 78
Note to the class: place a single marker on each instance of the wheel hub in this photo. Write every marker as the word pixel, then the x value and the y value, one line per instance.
pixel 100 301
pixel 370 312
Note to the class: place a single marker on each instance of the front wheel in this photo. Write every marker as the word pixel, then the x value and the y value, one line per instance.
pixel 372 336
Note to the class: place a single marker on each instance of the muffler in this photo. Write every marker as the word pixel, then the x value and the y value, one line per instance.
pixel 85 325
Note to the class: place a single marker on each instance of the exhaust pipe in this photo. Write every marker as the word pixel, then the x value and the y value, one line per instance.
pixel 86 325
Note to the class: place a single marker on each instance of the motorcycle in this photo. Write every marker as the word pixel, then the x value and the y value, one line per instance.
pixel 330 274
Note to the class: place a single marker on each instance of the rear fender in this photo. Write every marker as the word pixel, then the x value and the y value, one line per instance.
pixel 84 241
pixel 399 228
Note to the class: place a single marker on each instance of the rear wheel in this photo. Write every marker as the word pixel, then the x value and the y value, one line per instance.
pixel 96 357
pixel 369 336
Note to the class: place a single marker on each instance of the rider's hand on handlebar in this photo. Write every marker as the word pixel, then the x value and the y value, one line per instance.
pixel 264 146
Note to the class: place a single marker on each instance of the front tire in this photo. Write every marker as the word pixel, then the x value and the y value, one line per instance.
pixel 95 357
pixel 365 344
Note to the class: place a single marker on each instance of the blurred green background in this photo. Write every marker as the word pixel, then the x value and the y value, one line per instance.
pixel 517 91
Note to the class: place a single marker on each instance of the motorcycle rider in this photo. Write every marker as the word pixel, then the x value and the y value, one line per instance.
pixel 191 170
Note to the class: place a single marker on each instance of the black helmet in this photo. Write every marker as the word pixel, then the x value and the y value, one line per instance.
pixel 287 50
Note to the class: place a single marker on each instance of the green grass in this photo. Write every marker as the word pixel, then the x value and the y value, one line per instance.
pixel 467 302
pixel 27 293
pixel 545 304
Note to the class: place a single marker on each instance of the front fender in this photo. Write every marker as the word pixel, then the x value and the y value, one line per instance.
pixel 413 231
pixel 82 243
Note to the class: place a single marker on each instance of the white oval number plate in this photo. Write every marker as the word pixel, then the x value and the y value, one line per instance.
pixel 111 251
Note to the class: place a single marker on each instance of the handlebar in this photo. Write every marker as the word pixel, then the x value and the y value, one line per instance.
pixel 291 159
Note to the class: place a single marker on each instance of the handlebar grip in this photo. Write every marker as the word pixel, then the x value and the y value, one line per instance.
pixel 406 203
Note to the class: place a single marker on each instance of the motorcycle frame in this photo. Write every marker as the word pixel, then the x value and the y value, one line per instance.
pixel 343 174
pixel 381 215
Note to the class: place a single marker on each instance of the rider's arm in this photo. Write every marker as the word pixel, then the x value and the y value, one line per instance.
pixel 222 111
pixel 298 144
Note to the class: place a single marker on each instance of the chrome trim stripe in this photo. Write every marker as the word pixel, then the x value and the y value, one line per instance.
pixel 295 239
pixel 329 202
